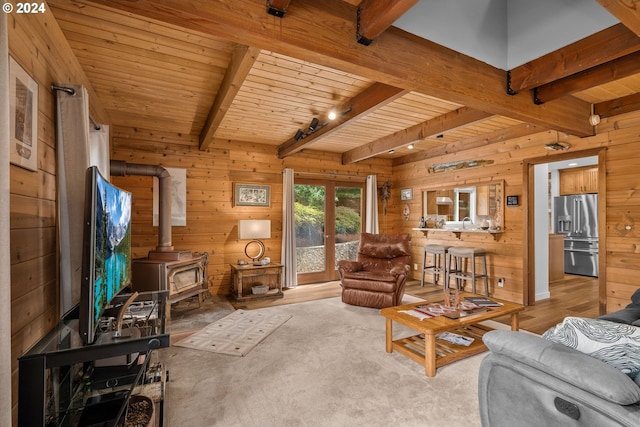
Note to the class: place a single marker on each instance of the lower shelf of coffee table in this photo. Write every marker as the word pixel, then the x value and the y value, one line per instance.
pixel 414 346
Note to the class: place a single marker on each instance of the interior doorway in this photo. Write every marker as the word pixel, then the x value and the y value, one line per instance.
pixel 538 226
pixel 329 217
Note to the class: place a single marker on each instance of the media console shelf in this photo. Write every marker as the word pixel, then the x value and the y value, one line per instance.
pixel 63 382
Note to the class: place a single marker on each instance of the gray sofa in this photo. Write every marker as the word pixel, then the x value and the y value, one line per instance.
pixel 527 380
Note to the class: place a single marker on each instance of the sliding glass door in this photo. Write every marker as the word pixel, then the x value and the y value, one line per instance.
pixel 329 218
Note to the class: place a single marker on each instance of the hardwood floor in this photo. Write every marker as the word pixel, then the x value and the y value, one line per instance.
pixel 573 296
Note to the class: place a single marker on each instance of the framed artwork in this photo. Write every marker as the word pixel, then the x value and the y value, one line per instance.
pixel 23 101
pixel 513 200
pixel 406 194
pixel 178 197
pixel 252 195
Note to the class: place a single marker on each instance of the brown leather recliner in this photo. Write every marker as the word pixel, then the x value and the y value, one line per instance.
pixel 377 277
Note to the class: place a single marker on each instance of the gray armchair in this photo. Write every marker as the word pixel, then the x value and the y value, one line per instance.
pixel 528 380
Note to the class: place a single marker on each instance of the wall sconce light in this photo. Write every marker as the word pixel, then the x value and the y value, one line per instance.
pixel 392 151
pixel 271 10
pixel 594 119
pixel 332 115
pixel 254 230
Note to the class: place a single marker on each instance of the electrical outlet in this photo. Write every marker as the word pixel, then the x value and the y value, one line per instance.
pixel 501 282
pixel 415 267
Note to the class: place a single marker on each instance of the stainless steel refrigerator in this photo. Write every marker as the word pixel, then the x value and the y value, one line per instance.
pixel 577 218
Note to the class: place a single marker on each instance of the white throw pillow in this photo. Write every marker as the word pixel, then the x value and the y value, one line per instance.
pixel 614 343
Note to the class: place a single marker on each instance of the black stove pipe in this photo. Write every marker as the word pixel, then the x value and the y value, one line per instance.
pixel 122 168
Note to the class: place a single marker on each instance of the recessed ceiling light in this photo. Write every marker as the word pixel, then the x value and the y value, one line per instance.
pixel 332 115
pixel 572 164
pixel 410 146
pixel 392 151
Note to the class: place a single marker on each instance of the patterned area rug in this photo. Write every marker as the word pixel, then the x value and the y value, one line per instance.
pixel 236 334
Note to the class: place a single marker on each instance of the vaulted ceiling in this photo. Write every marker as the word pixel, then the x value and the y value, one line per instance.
pixel 241 71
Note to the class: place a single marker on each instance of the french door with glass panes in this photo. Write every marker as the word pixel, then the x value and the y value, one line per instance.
pixel 329 217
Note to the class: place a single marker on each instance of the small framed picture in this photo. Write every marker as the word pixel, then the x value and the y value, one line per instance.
pixel 252 195
pixel 406 194
pixel 513 200
pixel 23 101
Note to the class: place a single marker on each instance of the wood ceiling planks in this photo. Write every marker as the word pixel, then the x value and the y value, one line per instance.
pixel 160 76
pixel 147 74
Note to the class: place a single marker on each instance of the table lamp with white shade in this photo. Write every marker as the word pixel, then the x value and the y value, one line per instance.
pixel 254 230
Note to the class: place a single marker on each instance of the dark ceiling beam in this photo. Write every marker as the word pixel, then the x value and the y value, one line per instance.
pixel 375 96
pixel 277 7
pixel 375 16
pixel 449 121
pixel 603 46
pixel 617 106
pixel 322 33
pixel 242 59
pixel 470 143
pixel 601 74
pixel 627 11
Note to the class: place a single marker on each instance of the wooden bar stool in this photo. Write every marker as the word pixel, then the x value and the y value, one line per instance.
pixel 438 262
pixel 461 265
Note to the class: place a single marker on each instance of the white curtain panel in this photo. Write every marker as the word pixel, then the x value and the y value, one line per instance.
pixel 371 224
pixel 73 158
pixel 288 231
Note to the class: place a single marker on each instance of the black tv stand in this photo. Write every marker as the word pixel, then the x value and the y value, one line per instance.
pixel 61 380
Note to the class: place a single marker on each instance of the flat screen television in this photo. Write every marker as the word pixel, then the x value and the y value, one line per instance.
pixel 106 258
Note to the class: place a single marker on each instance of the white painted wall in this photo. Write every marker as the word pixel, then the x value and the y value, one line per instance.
pixel 5 235
pixel 476 28
pixel 541 231
pixel 538 27
pixel 505 33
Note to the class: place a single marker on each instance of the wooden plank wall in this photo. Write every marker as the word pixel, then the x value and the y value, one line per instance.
pixel 37 44
pixel 623 208
pixel 212 218
pixel 620 134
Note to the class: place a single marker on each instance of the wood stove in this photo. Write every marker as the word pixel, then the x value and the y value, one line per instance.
pixel 181 272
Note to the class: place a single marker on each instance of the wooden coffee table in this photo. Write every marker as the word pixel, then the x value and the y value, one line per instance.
pixel 425 349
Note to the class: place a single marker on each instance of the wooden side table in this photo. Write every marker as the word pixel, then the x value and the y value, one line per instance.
pixel 244 277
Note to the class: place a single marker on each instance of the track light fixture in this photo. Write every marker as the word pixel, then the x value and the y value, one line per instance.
pixel 314 124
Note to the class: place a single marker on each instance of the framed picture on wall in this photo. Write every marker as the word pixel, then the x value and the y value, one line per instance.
pixel 252 195
pixel 406 194
pixel 23 104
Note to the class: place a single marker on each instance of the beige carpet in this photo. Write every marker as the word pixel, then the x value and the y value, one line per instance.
pixel 237 333
pixel 326 366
